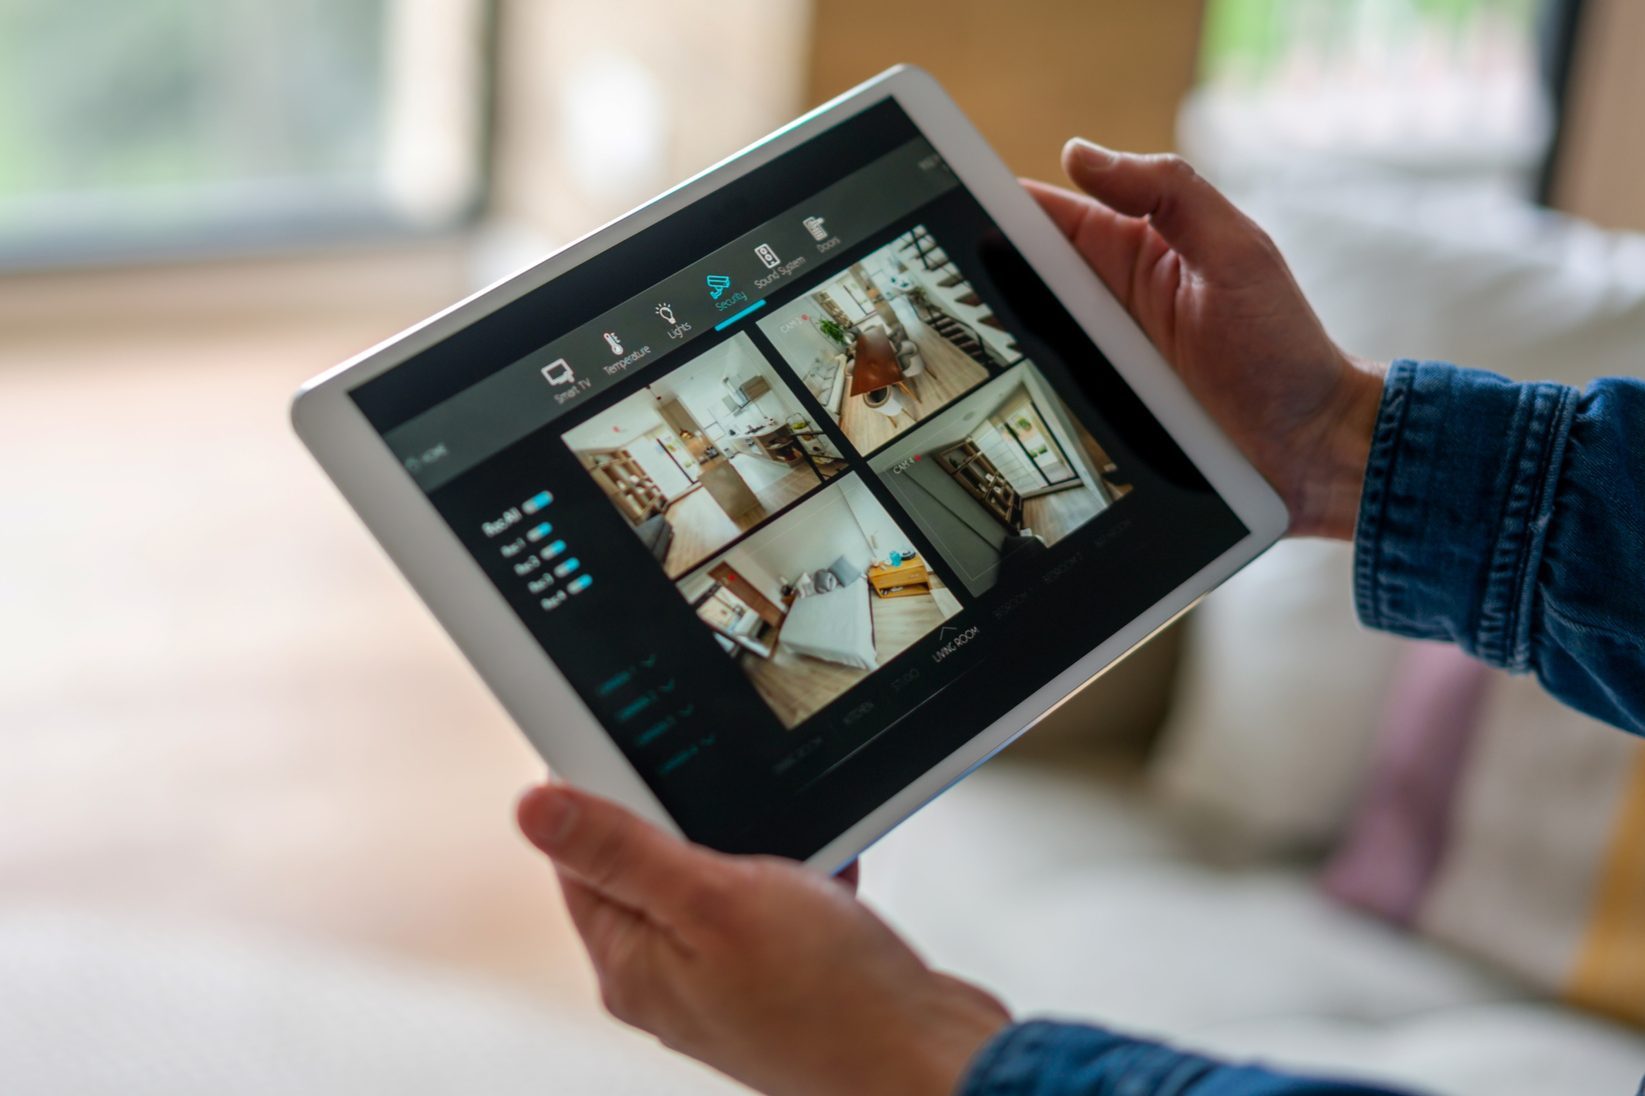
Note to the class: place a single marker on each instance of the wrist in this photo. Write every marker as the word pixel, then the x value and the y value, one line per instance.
pixel 960 1020
pixel 1332 479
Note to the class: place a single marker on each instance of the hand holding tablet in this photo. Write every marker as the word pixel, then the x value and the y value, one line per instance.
pixel 1207 284
pixel 663 488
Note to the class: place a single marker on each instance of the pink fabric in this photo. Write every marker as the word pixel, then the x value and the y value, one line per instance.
pixel 1398 835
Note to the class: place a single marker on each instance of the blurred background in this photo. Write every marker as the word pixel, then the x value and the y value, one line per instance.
pixel 255 811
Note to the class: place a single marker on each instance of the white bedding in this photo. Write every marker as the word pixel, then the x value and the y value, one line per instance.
pixel 835 627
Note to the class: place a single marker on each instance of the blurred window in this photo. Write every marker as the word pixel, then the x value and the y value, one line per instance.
pixel 1434 85
pixel 130 128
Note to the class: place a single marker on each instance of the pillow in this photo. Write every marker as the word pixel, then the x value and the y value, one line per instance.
pixel 1507 826
pixel 1280 690
pixel 804 586
pixel 846 571
pixel 825 580
pixel 1276 706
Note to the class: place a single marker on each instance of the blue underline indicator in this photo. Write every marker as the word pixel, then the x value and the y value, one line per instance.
pixel 729 320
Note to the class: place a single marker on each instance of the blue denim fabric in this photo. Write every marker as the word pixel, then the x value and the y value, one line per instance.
pixel 1510 519
pixel 1506 518
pixel 1042 1058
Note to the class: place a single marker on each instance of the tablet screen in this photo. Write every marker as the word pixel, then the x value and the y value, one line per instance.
pixel 803 486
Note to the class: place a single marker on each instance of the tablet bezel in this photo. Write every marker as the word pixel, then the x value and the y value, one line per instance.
pixel 497 642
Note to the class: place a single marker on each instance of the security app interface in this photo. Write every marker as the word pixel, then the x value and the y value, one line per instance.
pixel 804 486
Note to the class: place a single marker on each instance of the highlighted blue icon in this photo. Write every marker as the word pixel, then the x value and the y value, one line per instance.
pixel 717 284
pixel 553 550
pixel 538 532
pixel 580 583
pixel 536 502
pixel 729 320
pixel 567 567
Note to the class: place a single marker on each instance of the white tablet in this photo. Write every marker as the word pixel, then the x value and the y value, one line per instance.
pixel 774 507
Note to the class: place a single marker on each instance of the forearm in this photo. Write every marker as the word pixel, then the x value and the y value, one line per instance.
pixel 1506 518
pixel 1049 1059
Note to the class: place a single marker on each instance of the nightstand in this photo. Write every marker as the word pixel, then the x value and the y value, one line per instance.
pixel 904 580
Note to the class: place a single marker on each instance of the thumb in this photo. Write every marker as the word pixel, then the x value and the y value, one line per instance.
pixel 1189 213
pixel 616 854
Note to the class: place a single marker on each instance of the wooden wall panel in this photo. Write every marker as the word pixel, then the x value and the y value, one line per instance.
pixel 1600 170
pixel 1029 74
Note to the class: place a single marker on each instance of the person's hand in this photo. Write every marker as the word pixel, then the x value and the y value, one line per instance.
pixel 1214 295
pixel 763 970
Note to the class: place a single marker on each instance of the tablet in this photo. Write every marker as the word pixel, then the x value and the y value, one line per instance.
pixel 774 507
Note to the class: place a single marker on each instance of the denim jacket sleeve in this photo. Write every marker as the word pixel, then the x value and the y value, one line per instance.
pixel 1042 1058
pixel 1510 519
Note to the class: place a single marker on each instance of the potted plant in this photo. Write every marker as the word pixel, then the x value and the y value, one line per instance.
pixel 833 330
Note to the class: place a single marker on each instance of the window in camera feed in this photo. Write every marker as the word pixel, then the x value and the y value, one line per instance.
pixel 816 601
pixel 999 477
pixel 705 453
pixel 892 339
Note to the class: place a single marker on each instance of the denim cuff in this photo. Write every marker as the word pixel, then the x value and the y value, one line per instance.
pixel 1458 495
pixel 1042 1058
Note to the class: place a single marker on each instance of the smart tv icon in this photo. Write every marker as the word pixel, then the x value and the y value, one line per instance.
pixel 558 372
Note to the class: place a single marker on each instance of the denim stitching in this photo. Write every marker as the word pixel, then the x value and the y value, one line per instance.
pixel 1500 582
pixel 1541 517
pixel 1385 437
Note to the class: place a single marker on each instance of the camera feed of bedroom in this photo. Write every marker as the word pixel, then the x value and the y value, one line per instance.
pixel 999 477
pixel 706 453
pixel 815 602
pixel 891 340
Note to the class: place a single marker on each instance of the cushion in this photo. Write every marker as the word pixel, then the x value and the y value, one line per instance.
pixel 1281 689
pixel 824 580
pixel 1109 916
pixel 846 571
pixel 99 1005
pixel 1509 827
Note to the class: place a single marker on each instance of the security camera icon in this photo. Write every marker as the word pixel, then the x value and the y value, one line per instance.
pixel 717 284
pixel 558 372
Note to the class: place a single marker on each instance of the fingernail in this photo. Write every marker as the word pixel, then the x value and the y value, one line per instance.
pixel 549 815
pixel 1091 154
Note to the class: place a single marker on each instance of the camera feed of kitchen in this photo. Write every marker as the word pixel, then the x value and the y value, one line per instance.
pixel 706 453
pixel 999 477
pixel 891 340
pixel 815 602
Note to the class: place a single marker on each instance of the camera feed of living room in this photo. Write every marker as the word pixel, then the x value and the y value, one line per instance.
pixel 999 477
pixel 812 604
pixel 891 339
pixel 696 459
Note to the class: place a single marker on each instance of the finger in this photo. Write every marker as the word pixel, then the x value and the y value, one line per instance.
pixel 1066 209
pixel 1190 213
pixel 616 854
pixel 606 928
pixel 1109 242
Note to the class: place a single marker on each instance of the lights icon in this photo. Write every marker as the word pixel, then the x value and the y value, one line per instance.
pixel 558 372
pixel 666 311
pixel 814 225
pixel 611 341
pixel 767 256
pixel 717 284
